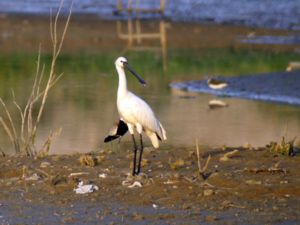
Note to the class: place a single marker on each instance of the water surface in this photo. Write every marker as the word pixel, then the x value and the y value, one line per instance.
pixel 83 103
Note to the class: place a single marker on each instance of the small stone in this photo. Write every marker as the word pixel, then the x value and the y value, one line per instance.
pixel 58 179
pixel 251 182
pixel 284 182
pixel 33 177
pixel 137 216
pixel 208 192
pixel 186 206
pixel 210 218
pixel 179 163
pixel 45 164
pixel 154 206
pixel 248 146
pixel 103 175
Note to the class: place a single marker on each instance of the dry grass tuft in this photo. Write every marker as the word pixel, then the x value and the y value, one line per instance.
pixel 282 147
pixel 88 160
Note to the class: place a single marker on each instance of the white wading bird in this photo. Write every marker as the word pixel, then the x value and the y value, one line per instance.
pixel 136 114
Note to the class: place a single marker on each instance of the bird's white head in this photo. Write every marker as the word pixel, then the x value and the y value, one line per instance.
pixel 120 62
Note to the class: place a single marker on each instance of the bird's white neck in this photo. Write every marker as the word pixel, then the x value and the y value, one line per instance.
pixel 122 89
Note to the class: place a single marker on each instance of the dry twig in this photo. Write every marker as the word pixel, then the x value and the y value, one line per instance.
pixel 24 141
pixel 200 168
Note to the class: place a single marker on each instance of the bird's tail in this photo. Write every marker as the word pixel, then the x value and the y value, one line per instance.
pixel 163 132
pixel 154 139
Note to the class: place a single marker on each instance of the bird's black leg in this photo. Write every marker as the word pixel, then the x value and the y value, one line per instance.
pixel 141 153
pixel 134 156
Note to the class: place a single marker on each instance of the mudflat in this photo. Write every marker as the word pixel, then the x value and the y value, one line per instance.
pixel 242 185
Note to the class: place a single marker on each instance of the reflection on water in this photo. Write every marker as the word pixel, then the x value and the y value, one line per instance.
pixel 137 33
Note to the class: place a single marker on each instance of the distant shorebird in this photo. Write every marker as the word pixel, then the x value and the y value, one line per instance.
pixel 136 114
pixel 292 66
pixel 216 84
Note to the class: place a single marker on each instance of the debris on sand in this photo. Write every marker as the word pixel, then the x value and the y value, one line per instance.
pixel 208 192
pixel 85 188
pixel 45 164
pixel 179 163
pixel 58 179
pixel 78 174
pixel 135 184
pixel 253 182
pixel 102 175
pixel 229 204
pixel 228 155
pixel 33 177
pixel 210 218
pixel 170 181
pixel 273 169
pixel 136 181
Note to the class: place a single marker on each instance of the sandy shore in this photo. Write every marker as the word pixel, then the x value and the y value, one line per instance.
pixel 238 188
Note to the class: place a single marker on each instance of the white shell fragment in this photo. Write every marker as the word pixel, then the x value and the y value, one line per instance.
pixel 84 189
pixel 154 206
pixel 135 184
pixel 78 174
pixel 102 175
pixel 33 177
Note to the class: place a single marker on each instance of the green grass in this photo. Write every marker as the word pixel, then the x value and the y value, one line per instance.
pixel 15 69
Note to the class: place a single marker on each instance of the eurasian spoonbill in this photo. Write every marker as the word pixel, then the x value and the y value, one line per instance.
pixel 136 114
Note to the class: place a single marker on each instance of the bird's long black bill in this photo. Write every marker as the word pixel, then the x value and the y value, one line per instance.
pixel 135 74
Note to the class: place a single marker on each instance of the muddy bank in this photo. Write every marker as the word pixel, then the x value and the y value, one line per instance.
pixel 23 33
pixel 274 87
pixel 256 13
pixel 249 183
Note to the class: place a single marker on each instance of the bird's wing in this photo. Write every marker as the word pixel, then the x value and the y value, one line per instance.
pixel 135 110
pixel 116 131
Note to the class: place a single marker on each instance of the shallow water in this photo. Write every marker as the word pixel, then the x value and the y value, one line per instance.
pixel 83 102
pixel 85 108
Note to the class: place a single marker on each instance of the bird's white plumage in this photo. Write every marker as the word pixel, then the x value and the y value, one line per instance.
pixel 134 111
